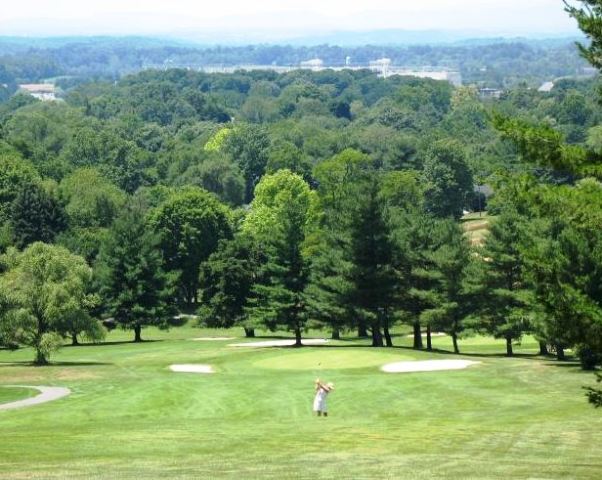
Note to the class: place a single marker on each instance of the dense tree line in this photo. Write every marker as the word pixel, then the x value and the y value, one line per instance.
pixel 329 199
pixel 494 63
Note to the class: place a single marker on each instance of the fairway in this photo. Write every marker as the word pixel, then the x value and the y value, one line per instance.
pixel 129 416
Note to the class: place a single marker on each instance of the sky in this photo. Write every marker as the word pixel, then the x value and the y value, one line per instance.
pixel 284 18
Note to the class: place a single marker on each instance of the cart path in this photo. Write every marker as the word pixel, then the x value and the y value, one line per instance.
pixel 47 394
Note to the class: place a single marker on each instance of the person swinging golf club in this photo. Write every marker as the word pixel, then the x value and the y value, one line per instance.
pixel 322 391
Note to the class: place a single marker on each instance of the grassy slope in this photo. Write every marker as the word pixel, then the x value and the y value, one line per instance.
pixel 130 417
pixel 13 394
pixel 476 227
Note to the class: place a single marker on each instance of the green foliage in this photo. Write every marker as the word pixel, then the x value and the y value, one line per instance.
pixel 281 221
pixel 448 180
pixel 372 275
pixel 216 143
pixel 90 199
pixel 47 293
pixel 248 146
pixel 189 224
pixel 15 174
pixel 589 19
pixel 226 281
pixel 36 216
pixel 135 288
pixel 502 289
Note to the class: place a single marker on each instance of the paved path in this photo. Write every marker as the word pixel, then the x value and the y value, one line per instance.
pixel 47 394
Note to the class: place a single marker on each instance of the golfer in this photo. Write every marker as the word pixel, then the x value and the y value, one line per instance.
pixel 322 391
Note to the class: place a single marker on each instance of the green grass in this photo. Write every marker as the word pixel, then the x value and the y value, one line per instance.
pixel 130 417
pixel 13 394
pixel 476 227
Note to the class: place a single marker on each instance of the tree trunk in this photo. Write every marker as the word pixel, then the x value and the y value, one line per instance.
pixel 388 339
pixel 417 336
pixel 74 339
pixel 455 340
pixel 249 332
pixel 543 349
pixel 509 351
pixel 336 334
pixel 40 358
pixel 560 353
pixel 377 337
pixel 137 333
pixel 298 336
pixel 429 343
pixel 362 330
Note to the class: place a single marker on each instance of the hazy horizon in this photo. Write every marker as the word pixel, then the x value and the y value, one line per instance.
pixel 271 21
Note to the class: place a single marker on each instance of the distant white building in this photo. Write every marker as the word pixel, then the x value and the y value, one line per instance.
pixel 381 66
pixel 488 93
pixel 546 87
pixel 42 91
pixel 314 64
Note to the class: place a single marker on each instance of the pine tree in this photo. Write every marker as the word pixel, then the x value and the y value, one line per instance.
pixel 136 290
pixel 226 281
pixel 372 275
pixel 503 292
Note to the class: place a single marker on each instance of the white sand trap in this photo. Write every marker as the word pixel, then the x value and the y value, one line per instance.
pixel 426 366
pixel 281 343
pixel 47 394
pixel 211 339
pixel 192 368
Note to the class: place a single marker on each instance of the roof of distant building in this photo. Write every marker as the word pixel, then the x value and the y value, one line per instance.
pixel 38 87
pixel 546 87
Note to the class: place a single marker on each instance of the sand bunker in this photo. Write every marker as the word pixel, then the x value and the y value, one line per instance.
pixel 47 394
pixel 211 339
pixel 426 366
pixel 192 368
pixel 280 343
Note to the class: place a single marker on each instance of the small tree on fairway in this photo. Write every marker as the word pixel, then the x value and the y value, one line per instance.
pixel 47 297
pixel 135 288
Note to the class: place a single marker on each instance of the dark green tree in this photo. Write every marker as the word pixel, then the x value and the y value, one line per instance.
pixel 226 281
pixel 503 290
pixel 36 215
pixel 190 224
pixel 373 292
pixel 448 180
pixel 135 288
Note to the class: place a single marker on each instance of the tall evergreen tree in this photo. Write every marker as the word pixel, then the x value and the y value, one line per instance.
pixel 226 281
pixel 503 293
pixel 282 219
pixel 373 292
pixel 136 289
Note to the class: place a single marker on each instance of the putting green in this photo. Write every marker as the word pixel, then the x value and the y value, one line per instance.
pixel 329 358
pixel 13 394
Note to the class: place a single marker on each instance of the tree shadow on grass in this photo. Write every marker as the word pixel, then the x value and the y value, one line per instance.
pixel 29 363
pixel 107 344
